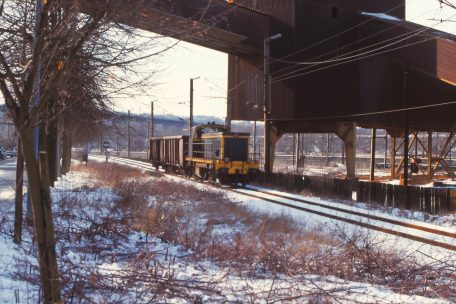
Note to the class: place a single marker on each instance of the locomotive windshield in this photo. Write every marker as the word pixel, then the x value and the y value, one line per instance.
pixel 236 149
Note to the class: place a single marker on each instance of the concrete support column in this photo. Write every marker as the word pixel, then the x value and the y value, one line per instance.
pixel 274 136
pixel 347 132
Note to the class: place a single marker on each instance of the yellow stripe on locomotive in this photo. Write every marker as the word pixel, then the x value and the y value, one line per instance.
pixel 221 154
pixel 210 152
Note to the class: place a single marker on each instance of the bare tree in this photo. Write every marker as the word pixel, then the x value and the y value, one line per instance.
pixel 63 64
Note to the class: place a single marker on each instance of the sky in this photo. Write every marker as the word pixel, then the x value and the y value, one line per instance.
pixel 171 92
pixel 187 61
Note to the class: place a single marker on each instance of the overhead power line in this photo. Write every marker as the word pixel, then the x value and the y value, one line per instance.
pixel 336 50
pixel 340 33
pixel 363 57
pixel 317 43
pixel 447 3
pixel 391 111
pixel 338 59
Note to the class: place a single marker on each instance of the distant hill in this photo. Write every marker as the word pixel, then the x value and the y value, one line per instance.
pixel 171 118
pixel 202 119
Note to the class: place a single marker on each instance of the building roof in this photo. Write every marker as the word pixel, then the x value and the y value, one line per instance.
pixel 425 49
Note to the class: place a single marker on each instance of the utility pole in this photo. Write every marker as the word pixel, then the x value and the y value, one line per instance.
pixel 190 123
pixel 228 112
pixel 152 122
pixel 266 106
pixel 191 106
pixel 128 134
pixel 406 136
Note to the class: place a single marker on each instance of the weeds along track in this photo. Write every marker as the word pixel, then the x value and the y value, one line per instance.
pixel 419 232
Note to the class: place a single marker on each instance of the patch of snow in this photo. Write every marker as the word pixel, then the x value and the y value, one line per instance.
pixel 230 286
pixel 381 16
pixel 7 194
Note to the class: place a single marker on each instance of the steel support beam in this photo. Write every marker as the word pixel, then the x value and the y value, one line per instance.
pixel 372 162
pixel 429 155
pixel 393 157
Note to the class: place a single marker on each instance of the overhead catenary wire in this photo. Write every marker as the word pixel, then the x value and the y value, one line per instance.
pixel 361 58
pixel 338 59
pixel 335 50
pixel 340 33
pixel 353 43
pixel 447 3
pixel 383 112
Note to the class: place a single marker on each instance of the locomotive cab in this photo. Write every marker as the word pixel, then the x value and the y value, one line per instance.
pixel 218 153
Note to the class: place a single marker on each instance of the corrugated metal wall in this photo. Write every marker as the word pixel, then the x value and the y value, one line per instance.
pixel 245 88
pixel 318 31
pixel 302 23
pixel 245 81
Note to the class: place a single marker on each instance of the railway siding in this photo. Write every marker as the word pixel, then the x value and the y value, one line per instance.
pixel 415 232
pixel 425 233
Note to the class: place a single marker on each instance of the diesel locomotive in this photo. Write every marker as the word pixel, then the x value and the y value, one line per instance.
pixel 211 152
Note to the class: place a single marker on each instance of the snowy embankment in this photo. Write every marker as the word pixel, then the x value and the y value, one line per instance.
pixel 140 238
pixel 425 252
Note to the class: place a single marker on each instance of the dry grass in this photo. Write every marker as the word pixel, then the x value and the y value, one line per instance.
pixel 251 244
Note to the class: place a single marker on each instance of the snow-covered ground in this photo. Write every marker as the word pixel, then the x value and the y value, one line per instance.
pixel 423 252
pixel 118 264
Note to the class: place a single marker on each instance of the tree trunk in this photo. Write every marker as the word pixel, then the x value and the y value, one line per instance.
pixel 66 148
pixel 42 216
pixel 52 151
pixel 19 194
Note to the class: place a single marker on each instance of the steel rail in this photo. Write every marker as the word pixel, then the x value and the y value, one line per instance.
pixel 409 236
pixel 357 223
pixel 366 215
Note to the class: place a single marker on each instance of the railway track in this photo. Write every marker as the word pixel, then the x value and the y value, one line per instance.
pixel 412 230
